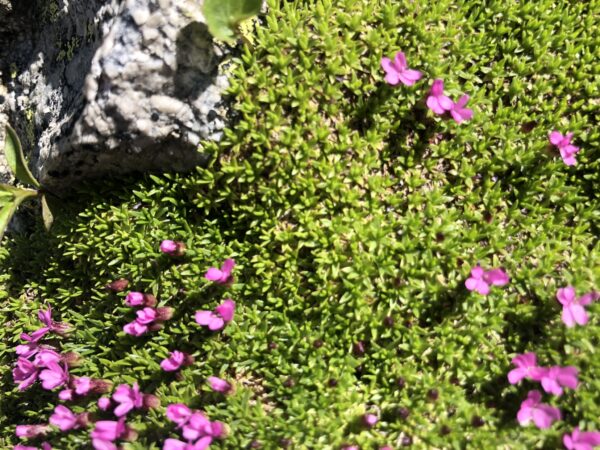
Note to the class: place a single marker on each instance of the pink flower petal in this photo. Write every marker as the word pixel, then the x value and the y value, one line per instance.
pixel 226 310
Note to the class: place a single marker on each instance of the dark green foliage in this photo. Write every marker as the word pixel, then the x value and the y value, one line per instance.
pixel 345 202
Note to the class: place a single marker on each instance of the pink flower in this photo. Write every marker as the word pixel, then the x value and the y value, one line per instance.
pixel 387 447
pixel 554 378
pixel 54 376
pixel 56 327
pixel 106 432
pixel 481 280
pixel 45 446
pixel 369 420
pixel 581 440
pixel 134 299
pixel 66 420
pixel 216 320
pixel 174 444
pixel 104 403
pixel 83 385
pixel 459 112
pixel 542 414
pixel 46 356
pixel 146 316
pixel 219 385
pixel 135 328
pixel 25 373
pixel 32 346
pixel 526 368
pixel 222 275
pixel 178 413
pixel 566 149
pixel 437 101
pixel 172 248
pixel 397 71
pixel 66 395
pixel 573 308
pixel 31 431
pixel 175 360
pixel 197 426
pixel 128 398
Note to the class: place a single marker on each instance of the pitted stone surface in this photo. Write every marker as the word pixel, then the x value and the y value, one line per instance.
pixel 134 86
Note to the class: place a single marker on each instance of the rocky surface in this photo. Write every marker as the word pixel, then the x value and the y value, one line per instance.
pixel 100 87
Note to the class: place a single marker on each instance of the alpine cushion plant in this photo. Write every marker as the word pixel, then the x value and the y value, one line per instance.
pixel 345 203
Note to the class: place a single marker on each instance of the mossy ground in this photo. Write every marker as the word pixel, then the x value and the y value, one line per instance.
pixel 344 201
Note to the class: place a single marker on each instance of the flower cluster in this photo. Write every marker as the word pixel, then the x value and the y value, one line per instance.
pixel 554 379
pixel 196 428
pixel 148 319
pixel 397 71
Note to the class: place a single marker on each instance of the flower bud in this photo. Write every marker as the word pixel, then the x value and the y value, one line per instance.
pixel 118 285
pixel 172 248
pixel 151 401
pixel 164 313
pixel 72 359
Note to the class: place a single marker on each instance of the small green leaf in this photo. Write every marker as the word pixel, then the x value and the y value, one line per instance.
pixel 10 198
pixel 223 16
pixel 47 213
pixel 16 159
pixel 6 212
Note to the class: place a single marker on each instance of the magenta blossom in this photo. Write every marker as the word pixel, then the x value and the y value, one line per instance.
pixel 66 420
pixel 573 308
pixel 140 299
pixel 54 375
pixel 175 444
pixel 172 248
pixel 175 361
pixel 566 149
pixel 526 368
pixel 106 432
pixel 219 385
pixel 459 112
pixel 55 327
pixel 104 403
pixel 32 346
pixel 25 373
pixel 581 440
pixel 128 398
pixel 46 356
pixel 45 446
pixel 178 413
pixel 437 101
pixel 148 319
pixel 369 420
pixel 480 280
pixel 217 320
pixel 554 378
pixel 31 431
pixel 222 275
pixel 540 413
pixel 397 71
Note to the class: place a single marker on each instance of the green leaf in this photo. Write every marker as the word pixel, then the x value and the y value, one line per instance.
pixel 10 198
pixel 16 159
pixel 223 16
pixel 47 213
pixel 6 212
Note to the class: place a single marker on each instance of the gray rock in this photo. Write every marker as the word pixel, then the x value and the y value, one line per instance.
pixel 110 87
